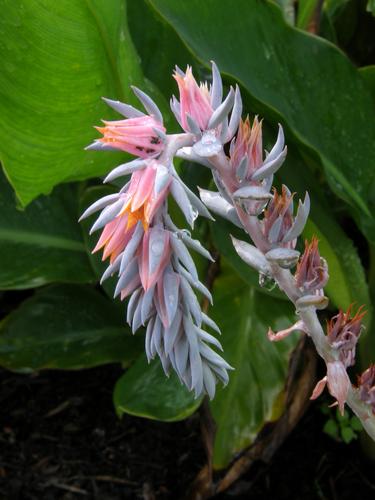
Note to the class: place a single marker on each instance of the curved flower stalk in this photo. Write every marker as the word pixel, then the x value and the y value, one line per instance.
pixel 150 256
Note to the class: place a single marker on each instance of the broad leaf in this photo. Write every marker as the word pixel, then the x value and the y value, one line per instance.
pixel 151 36
pixel 254 394
pixel 301 79
pixel 43 243
pixel 368 74
pixel 58 60
pixel 65 327
pixel 145 391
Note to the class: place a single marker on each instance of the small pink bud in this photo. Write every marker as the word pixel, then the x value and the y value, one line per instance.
pixel 312 271
pixel 247 143
pixel 343 332
pixel 195 100
pixel 278 218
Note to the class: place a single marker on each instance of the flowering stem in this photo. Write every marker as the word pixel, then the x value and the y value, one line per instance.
pixel 250 223
pixel 362 411
pixel 174 142
pixel 286 282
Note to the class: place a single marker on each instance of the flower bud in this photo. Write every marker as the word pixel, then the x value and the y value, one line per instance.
pixel 343 332
pixel 312 271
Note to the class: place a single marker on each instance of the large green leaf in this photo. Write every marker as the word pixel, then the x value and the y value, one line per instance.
pixel 145 391
pixel 368 74
pixel 65 327
pixel 152 35
pixel 254 394
pixel 43 243
pixel 301 79
pixel 58 60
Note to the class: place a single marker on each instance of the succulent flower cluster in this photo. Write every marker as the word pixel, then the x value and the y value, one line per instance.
pixel 151 258
pixel 146 250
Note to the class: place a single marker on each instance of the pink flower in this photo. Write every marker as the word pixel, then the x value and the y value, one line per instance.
pixel 114 238
pixel 312 271
pixel 146 193
pixel 338 384
pixel 248 145
pixel 278 217
pixel 136 136
pixel 195 100
pixel 343 332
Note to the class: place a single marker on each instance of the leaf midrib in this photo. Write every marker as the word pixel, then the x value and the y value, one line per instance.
pixel 41 240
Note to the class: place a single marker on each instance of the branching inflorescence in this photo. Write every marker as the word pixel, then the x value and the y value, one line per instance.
pixel 151 258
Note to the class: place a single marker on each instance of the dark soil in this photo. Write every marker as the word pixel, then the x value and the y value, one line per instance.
pixel 60 439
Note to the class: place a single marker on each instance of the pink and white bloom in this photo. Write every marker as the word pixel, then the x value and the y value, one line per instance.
pixel 312 270
pixel 247 149
pixel 138 136
pixel 279 225
pixel 201 112
pixel 195 100
pixel 343 331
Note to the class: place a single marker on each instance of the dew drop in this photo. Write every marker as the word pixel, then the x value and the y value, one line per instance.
pixel 266 282
pixel 186 232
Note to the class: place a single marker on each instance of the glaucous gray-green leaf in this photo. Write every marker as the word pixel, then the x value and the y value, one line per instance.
pixel 42 243
pixel 65 327
pixel 254 394
pixel 301 79
pixel 145 391
pixel 58 60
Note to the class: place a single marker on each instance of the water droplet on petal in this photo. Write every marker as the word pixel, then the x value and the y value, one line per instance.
pixel 266 282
